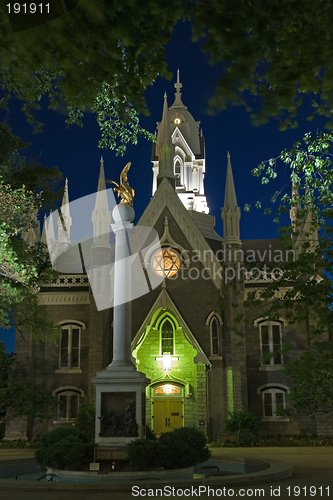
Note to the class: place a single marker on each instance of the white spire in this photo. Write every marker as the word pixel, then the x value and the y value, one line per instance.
pixel 64 219
pixel 178 95
pixel 44 233
pixel 230 199
pixel 101 216
pixel 165 148
pixel 230 212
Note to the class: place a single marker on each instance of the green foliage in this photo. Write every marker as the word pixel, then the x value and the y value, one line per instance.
pixel 19 444
pixel 24 188
pixel 312 375
pixel 183 447
pixel 64 448
pixel 178 449
pixel 301 440
pixel 98 57
pixel 145 454
pixel 20 397
pixel 240 420
pixel 306 278
pixel 150 434
pixel 271 62
pixel 245 424
pixel 85 422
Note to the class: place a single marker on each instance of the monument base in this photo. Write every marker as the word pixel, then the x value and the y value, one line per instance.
pixel 120 405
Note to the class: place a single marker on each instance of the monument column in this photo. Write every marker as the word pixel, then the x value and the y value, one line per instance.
pixel 120 389
pixel 123 214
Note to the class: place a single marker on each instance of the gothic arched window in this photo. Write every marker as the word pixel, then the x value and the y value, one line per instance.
pixel 215 325
pixel 178 172
pixel 167 338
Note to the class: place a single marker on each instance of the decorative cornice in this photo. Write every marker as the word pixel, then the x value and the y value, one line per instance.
pixel 71 280
pixel 63 299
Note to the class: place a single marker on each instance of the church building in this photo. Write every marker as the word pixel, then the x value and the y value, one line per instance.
pixel 200 361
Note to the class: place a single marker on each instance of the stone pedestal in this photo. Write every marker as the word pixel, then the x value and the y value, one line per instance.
pixel 120 406
pixel 121 389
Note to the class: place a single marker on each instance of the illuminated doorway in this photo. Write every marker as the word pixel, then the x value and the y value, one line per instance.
pixel 167 408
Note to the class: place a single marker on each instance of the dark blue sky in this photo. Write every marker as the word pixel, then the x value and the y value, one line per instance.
pixel 74 150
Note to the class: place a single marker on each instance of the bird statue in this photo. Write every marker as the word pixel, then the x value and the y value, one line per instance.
pixel 123 189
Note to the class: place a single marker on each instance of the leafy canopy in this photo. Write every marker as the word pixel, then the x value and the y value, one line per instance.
pixel 24 188
pixel 98 57
pixel 101 56
pixel 302 290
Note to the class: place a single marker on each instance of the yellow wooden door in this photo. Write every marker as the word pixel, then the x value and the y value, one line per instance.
pixel 167 415
pixel 176 414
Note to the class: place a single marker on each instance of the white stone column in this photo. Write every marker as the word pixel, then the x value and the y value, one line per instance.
pixel 121 389
pixel 122 320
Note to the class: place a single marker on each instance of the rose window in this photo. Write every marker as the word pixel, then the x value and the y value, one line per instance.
pixel 166 262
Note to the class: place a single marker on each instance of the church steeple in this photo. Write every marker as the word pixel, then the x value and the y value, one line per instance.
pixel 178 95
pixel 164 147
pixel 230 212
pixel 101 216
pixel 64 219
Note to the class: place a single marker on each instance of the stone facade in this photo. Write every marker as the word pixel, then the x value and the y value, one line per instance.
pixel 212 369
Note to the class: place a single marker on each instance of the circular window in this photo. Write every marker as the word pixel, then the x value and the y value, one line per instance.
pixel 166 262
pixel 177 121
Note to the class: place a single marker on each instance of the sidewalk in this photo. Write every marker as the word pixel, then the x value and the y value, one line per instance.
pixel 313 466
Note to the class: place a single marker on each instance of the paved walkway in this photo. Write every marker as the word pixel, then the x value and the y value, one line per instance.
pixel 313 467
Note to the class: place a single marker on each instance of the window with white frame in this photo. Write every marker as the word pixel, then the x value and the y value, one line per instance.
pixel 271 343
pixel 272 399
pixel 69 352
pixel 68 402
pixel 178 172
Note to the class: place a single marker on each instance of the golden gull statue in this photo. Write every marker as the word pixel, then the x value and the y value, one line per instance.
pixel 123 189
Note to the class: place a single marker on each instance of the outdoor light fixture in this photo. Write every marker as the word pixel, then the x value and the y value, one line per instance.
pixel 167 360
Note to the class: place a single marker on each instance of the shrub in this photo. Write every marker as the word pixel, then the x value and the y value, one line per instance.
pixel 183 447
pixel 245 424
pixel 64 448
pixel 150 434
pixel 86 420
pixel 144 454
pixel 240 420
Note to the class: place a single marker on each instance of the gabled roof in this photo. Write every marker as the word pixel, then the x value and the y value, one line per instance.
pixel 165 196
pixel 165 302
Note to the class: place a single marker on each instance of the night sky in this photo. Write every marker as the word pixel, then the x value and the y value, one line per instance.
pixel 75 152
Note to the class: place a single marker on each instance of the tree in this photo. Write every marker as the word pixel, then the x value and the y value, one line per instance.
pixel 302 290
pixel 24 188
pixel 19 398
pixel 312 375
pixel 275 55
pixel 98 57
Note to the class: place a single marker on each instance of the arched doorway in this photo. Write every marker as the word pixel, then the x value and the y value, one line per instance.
pixel 168 407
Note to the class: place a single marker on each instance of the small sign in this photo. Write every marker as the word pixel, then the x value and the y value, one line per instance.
pixel 94 466
pixel 111 452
